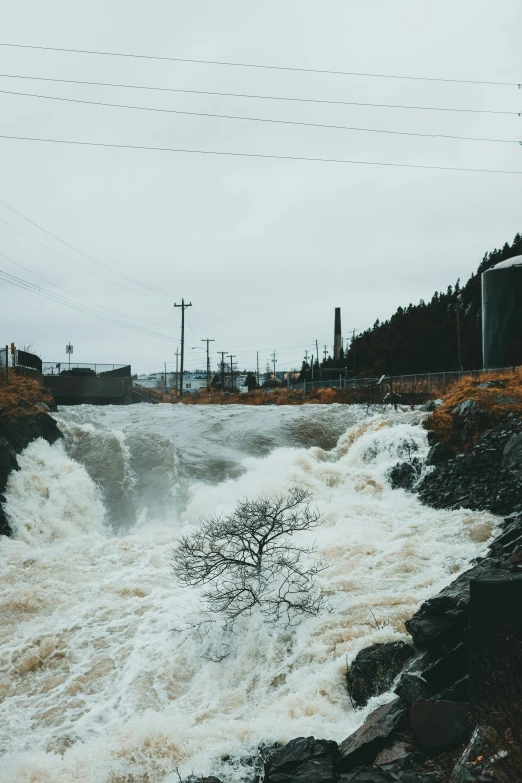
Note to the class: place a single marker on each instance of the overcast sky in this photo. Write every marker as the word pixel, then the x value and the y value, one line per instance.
pixel 265 249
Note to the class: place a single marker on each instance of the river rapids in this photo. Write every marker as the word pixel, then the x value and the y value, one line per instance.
pixel 106 673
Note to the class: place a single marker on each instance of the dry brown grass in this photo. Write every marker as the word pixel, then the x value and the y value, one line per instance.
pixel 498 401
pixel 21 388
pixel 272 397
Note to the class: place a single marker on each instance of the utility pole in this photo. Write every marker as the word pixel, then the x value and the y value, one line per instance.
pixel 165 369
pixel 325 352
pixel 274 357
pixel 177 376
pixel 222 370
pixel 183 308
pixel 320 371
pixel 231 357
pixel 208 340
pixel 353 352
pixel 257 365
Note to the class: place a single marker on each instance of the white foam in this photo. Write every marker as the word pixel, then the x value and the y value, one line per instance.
pixel 98 686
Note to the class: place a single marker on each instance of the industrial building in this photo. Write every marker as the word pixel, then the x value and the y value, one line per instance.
pixel 502 314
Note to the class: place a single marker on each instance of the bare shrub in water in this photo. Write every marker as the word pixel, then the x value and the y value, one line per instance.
pixel 247 560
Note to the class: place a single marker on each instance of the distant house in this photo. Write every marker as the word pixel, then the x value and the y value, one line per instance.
pixel 194 382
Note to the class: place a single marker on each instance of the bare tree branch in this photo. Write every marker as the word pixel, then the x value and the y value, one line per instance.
pixel 246 559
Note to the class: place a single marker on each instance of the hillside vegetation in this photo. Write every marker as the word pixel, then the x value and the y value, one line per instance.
pixel 423 337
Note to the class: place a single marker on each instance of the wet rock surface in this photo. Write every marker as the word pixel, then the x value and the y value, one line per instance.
pixel 303 760
pixel 15 435
pixel 374 670
pixel 381 726
pixel 486 477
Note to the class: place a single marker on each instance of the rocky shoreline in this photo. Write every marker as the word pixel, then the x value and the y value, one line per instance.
pixel 431 730
pixel 16 432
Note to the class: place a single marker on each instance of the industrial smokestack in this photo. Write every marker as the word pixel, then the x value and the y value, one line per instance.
pixel 337 334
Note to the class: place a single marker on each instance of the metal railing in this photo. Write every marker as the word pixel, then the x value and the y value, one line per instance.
pixel 56 368
pixel 428 382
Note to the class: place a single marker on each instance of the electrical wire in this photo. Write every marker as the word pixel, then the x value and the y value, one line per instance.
pixel 90 258
pixel 257 119
pixel 258 65
pixel 65 290
pixel 26 285
pixel 259 97
pixel 260 155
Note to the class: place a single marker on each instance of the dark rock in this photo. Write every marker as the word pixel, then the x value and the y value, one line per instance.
pixel 303 760
pixel 5 527
pixel 397 752
pixel 1 409
pixel 459 691
pixel 441 622
pixel 8 462
pixel 412 686
pixel 24 404
pixel 497 384
pixel 453 666
pixel 512 454
pixel 516 557
pixel 15 435
pixel 431 406
pixel 438 724
pixel 403 475
pixel 19 432
pixel 462 773
pixel 363 745
pixel 439 454
pixel 366 776
pixel 374 670
pixel 465 409
pixel 44 407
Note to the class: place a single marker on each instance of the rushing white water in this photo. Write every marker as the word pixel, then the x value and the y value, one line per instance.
pixel 104 679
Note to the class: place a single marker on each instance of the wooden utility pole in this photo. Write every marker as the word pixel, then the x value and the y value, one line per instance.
pixel 177 376
pixel 165 370
pixel 274 358
pixel 257 365
pixel 223 353
pixel 231 357
pixel 320 370
pixel 208 340
pixel 183 308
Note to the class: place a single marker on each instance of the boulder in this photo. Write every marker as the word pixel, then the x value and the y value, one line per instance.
pixel 413 686
pixel 403 475
pixel 512 454
pixel 8 462
pixel 439 454
pixel 438 724
pixel 441 622
pixel 303 760
pixel 19 432
pixel 431 406
pixel 374 670
pixel 449 669
pixel 465 409
pixel 377 731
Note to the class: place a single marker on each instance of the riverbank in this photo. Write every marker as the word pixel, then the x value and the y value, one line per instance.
pixel 439 726
pixel 24 416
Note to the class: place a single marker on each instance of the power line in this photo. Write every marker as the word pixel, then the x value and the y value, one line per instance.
pixel 256 119
pixel 259 65
pixel 86 255
pixel 70 293
pixel 25 284
pixel 260 97
pixel 259 155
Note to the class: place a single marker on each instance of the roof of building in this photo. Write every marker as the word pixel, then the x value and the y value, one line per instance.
pixel 515 261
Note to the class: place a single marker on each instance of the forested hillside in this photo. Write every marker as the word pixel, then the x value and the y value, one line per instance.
pixel 423 337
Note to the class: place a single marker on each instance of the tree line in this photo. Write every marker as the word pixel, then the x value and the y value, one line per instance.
pixel 423 337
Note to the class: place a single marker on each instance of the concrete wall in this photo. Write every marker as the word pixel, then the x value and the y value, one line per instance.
pixel 89 390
